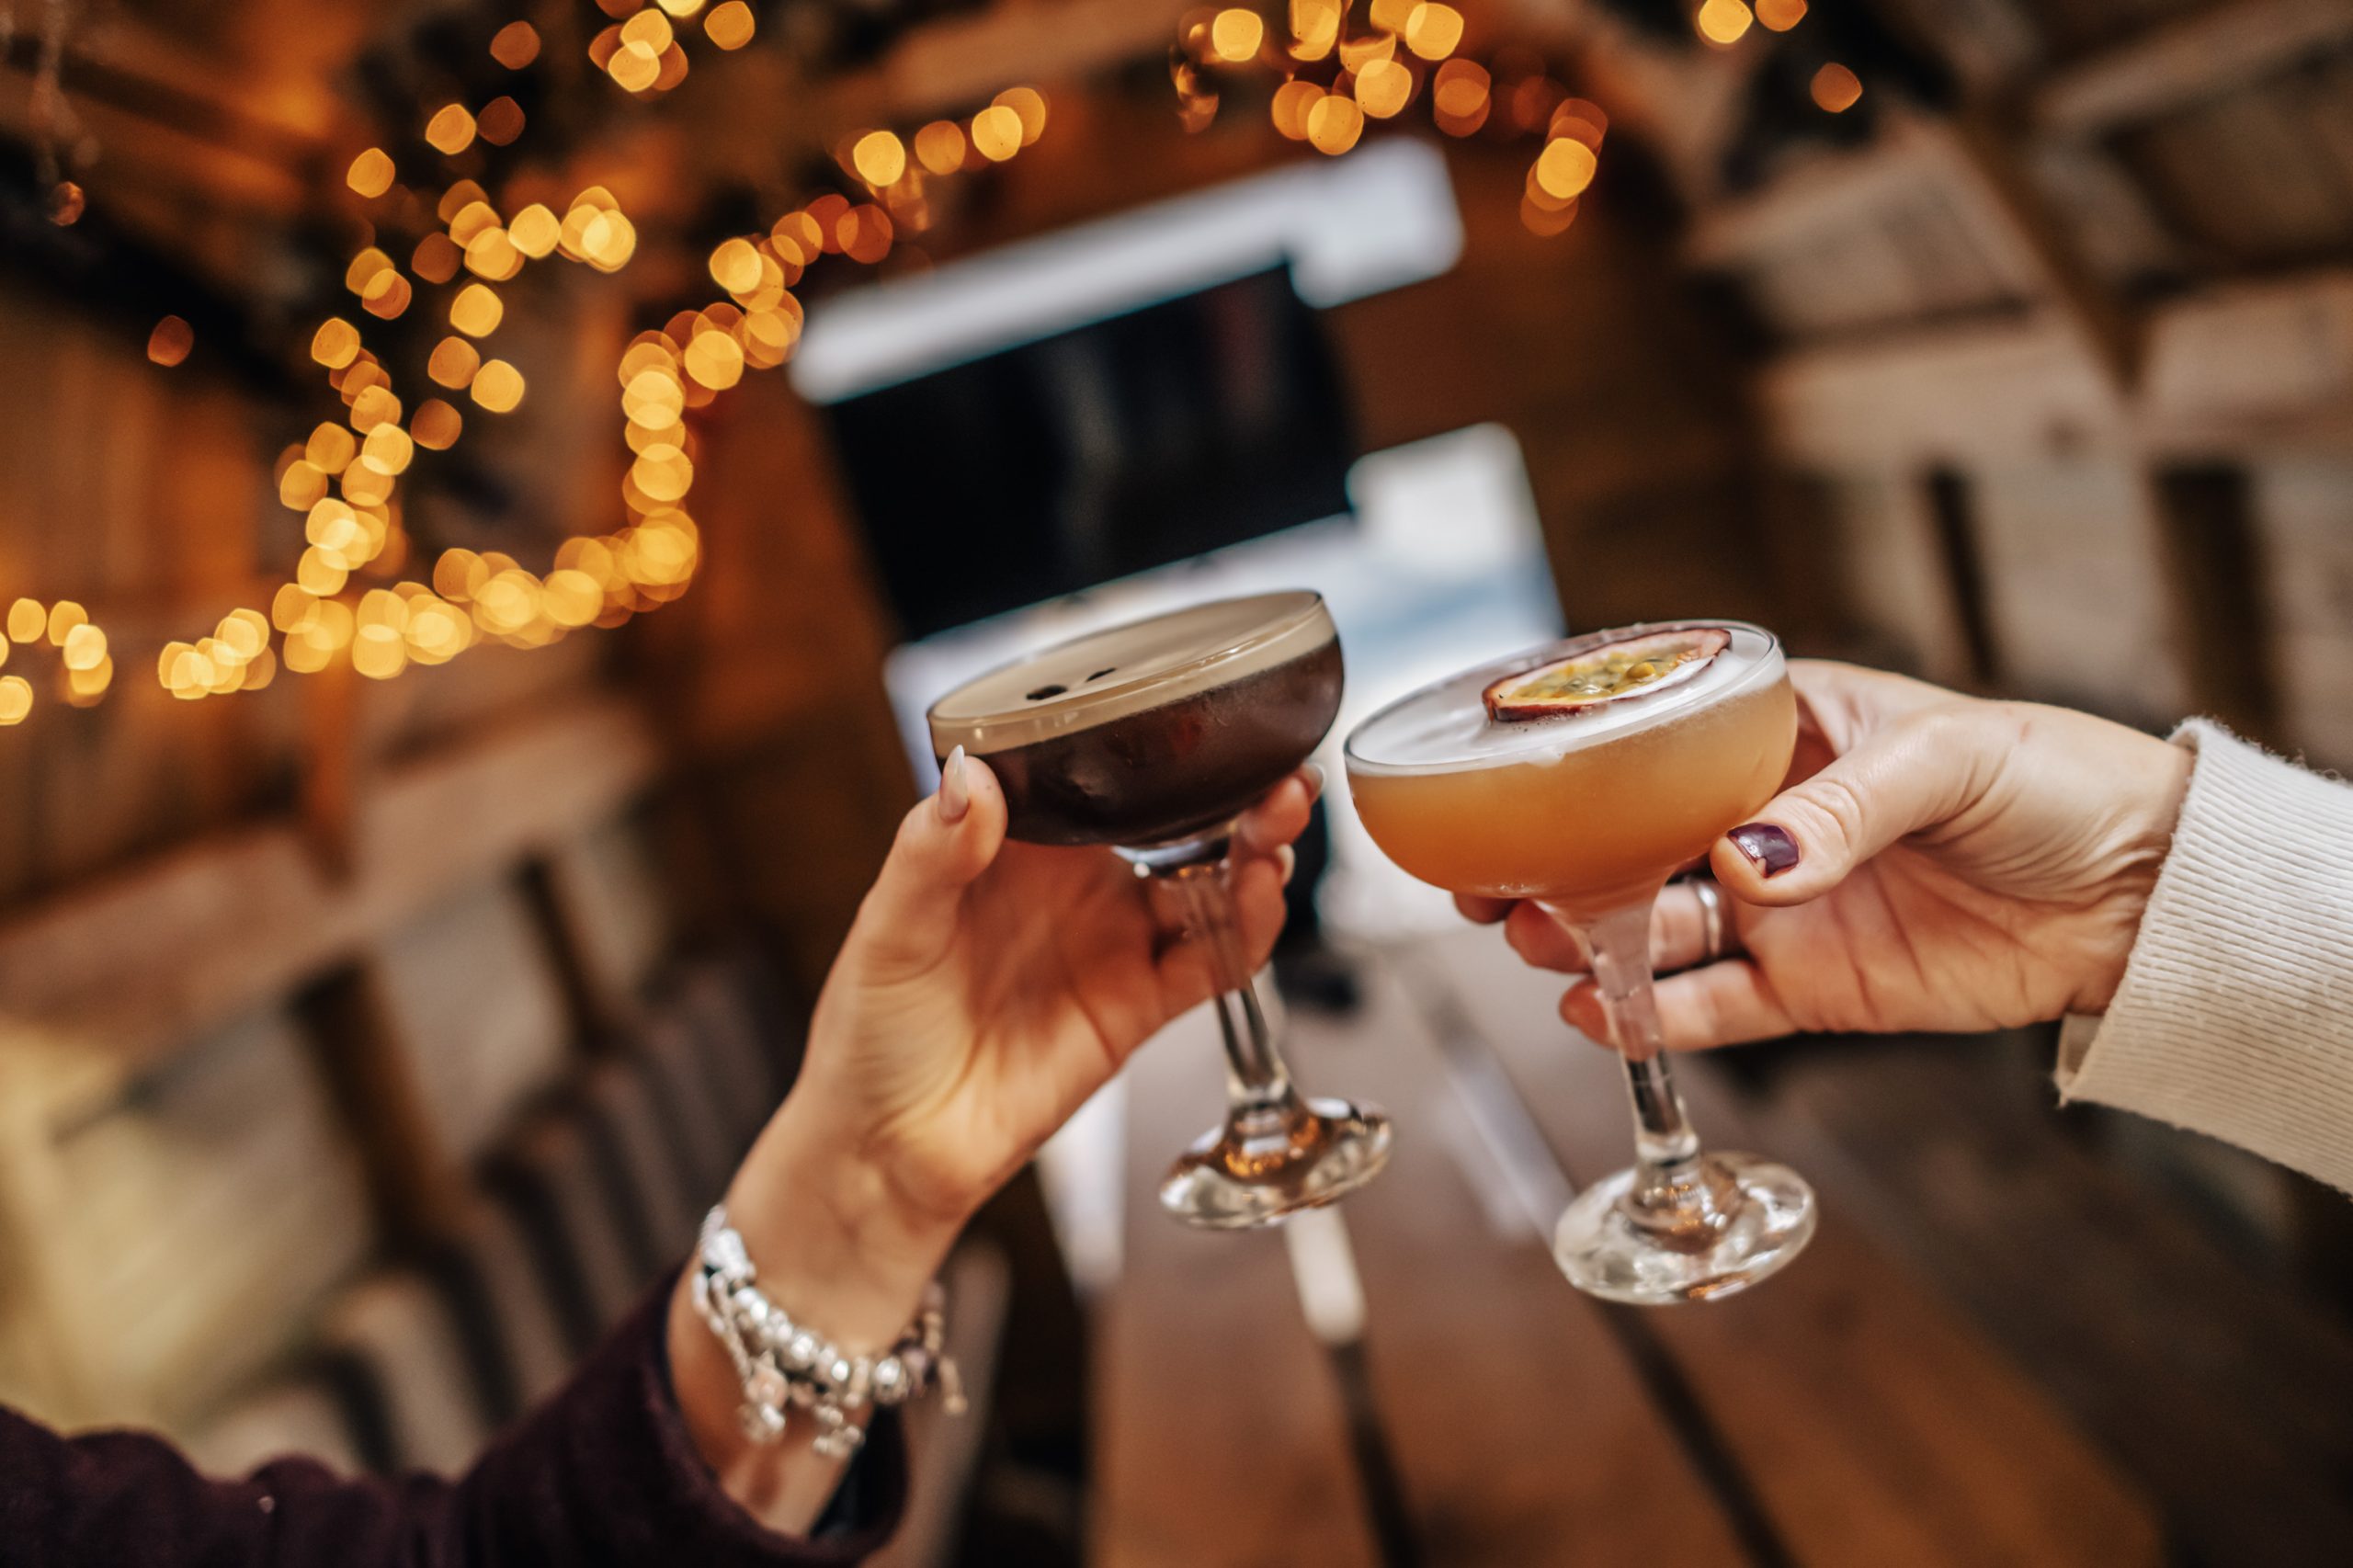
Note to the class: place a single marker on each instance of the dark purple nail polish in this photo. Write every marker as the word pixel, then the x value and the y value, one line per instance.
pixel 1770 849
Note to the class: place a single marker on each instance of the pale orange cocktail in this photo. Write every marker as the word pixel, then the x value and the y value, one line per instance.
pixel 1582 777
pixel 1586 822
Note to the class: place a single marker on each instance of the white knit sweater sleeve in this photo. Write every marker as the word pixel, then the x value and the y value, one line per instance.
pixel 2235 1016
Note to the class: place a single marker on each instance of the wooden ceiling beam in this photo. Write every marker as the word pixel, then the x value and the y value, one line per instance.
pixel 2176 64
pixel 961 61
pixel 2232 371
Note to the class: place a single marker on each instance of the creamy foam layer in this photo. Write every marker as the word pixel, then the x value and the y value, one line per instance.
pixel 1128 669
pixel 1444 727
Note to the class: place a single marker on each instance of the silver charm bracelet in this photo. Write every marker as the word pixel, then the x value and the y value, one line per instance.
pixel 783 1364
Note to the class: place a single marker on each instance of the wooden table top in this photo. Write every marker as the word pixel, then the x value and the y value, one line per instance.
pixel 1839 1414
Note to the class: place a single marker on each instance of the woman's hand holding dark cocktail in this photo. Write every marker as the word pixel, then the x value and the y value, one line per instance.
pixel 985 991
pixel 1935 862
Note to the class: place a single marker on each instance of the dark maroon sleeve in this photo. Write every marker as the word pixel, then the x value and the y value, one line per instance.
pixel 603 1475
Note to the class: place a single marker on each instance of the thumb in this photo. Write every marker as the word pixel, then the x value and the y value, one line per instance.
pixel 944 844
pixel 1913 773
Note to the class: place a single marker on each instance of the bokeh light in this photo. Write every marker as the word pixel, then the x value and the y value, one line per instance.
pixel 1237 34
pixel 500 122
pixel 1722 22
pixel 1835 88
pixel 1333 124
pixel 63 617
pixel 436 425
pixel 1383 88
pixel 476 312
pixel 436 259
pixel 497 386
pixel 451 130
pixel 335 343
pixel 1433 31
pixel 730 26
pixel 996 131
pixel 940 147
pixel 1565 167
pixel 1315 27
pixel 371 173
pixel 1028 106
pixel 1292 102
pixel 170 342
pixel 516 45
pixel 880 158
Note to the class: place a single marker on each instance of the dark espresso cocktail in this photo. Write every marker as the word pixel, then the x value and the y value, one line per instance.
pixel 1099 769
pixel 1152 738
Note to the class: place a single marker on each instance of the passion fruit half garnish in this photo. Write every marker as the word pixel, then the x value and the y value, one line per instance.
pixel 1632 666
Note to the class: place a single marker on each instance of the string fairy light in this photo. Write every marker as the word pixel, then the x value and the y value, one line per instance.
pixel 357 595
pixel 353 595
pixel 1343 69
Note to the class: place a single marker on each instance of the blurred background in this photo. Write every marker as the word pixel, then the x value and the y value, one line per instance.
pixel 438 769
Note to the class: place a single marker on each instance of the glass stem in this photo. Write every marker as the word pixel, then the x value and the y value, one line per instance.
pixel 1257 1083
pixel 1669 1179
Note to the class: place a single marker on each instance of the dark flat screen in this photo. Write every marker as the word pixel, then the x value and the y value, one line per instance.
pixel 1126 444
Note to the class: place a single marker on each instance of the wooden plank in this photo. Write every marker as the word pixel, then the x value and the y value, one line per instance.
pixel 292 1419
pixel 2219 1384
pixel 1221 1437
pixel 114 973
pixel 2076 590
pixel 1993 164
pixel 613 916
pixel 2244 357
pixel 1892 559
pixel 488 1272
pixel 2308 555
pixel 1479 1352
pixel 1971 395
pixel 471 1003
pixel 212 1206
pixel 1875 1425
pixel 2243 179
pixel 2237 370
pixel 2225 46
pixel 1827 192
pixel 399 1330
pixel 1951 180
pixel 1990 44
pixel 957 61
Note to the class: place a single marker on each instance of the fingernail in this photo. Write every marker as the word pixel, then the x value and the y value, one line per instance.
pixel 1314 772
pixel 1770 849
pixel 955 794
pixel 1286 861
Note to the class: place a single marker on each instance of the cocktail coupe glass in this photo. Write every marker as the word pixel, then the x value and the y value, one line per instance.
pixel 1152 738
pixel 1583 776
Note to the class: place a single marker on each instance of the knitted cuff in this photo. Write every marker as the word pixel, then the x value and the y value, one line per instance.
pixel 2231 1019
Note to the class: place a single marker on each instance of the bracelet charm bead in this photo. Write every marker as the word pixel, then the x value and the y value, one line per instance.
pixel 782 1364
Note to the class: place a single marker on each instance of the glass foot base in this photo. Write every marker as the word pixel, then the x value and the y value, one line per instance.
pixel 1761 1217
pixel 1231 1179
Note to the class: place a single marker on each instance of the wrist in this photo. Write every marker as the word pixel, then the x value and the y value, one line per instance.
pixel 840 1250
pixel 2144 837
pixel 835 1239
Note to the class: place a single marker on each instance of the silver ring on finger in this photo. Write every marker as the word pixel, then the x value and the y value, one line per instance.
pixel 1712 918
